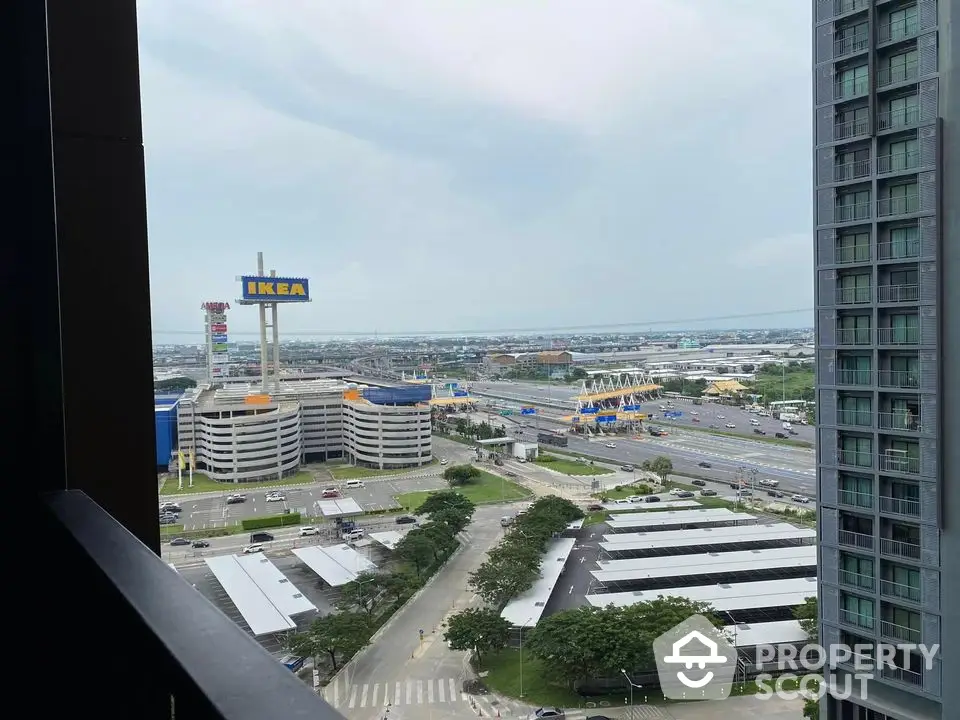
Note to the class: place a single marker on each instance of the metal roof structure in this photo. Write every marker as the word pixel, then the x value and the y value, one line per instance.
pixel 723 598
pixel 341 507
pixel 674 518
pixel 260 614
pixel 337 564
pixel 282 593
pixel 706 536
pixel 766 633
pixel 526 609
pixel 640 506
pixel 388 538
pixel 672 566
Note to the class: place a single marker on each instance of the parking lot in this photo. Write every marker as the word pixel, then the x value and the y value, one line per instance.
pixel 710 414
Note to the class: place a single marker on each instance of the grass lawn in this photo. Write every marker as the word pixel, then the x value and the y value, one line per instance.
pixel 628 490
pixel 203 484
pixel 352 472
pixel 488 488
pixel 572 467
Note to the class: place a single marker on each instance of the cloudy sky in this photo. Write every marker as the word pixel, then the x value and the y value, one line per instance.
pixel 479 164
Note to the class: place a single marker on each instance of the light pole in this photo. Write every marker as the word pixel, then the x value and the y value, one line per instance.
pixel 525 622
pixel 632 686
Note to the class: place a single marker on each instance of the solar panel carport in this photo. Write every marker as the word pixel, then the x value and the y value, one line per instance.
pixel 678 518
pixel 282 593
pixel 712 564
pixel 527 608
pixel 341 507
pixel 337 565
pixel 669 541
pixel 640 506
pixel 388 538
pixel 724 598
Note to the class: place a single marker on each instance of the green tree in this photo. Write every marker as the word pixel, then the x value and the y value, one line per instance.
pixel 478 629
pixel 397 585
pixel 340 635
pixel 661 466
pixel 577 374
pixel 498 583
pixel 361 592
pixel 174 385
pixel 458 475
pixel 417 549
pixel 462 427
pixel 452 518
pixel 443 500
pixel 806 614
pixel 441 538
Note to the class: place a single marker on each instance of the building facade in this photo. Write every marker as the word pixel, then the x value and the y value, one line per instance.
pixel 242 435
pixel 885 108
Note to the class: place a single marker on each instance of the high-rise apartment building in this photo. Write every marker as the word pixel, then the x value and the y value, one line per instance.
pixel 887 261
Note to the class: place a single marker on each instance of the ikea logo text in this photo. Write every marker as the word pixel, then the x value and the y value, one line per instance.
pixel 281 289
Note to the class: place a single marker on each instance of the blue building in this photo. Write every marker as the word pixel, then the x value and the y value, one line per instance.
pixel 165 418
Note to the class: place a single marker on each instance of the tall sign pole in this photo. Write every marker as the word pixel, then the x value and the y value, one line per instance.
pixel 215 332
pixel 264 365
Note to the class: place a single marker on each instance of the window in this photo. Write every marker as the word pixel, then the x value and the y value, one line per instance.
pixel 852 122
pixel 853 164
pixel 901 199
pixel 853 288
pixel 856 570
pixel 905 329
pixel 904 364
pixel 900 581
pixel 901 23
pixel 904 243
pixel 853 206
pixel 856 611
pixel 855 411
pixel 854 81
pixel 902 111
pixel 856 490
pixel 903 155
pixel 900 68
pixel 856 451
pixel 853 369
pixel 854 329
pixel 853 247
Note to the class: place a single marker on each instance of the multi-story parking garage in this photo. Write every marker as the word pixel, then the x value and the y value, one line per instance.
pixel 239 434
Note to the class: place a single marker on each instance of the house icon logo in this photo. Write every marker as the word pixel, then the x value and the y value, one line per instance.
pixel 695 661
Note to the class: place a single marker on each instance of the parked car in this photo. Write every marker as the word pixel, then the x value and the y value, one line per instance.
pixel 704 464
pixel 407 520
pixel 782 436
pixel 627 468
pixel 758 431
pixel 651 499
pixel 251 549
pixel 276 497
pixel 201 544
pixel 168 521
pixel 768 482
pixel 610 445
pixel 800 498
pixel 330 493
pixel 684 494
pixel 308 531
pixel 443 461
pixel 234 499
pixel 554 713
pixel 706 492
pixel 775 493
pixel 179 541
pixel 731 426
pixel 594 507
pixel 353 535
pixel 744 492
pixel 699 483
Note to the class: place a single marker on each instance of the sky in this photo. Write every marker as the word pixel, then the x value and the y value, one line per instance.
pixel 474 165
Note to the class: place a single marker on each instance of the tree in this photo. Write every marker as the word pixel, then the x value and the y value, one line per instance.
pixel 452 518
pixel 462 427
pixel 340 635
pixel 443 500
pixel 661 466
pixel 441 539
pixel 460 474
pixel 478 629
pixel 748 368
pixel 177 384
pixel 361 592
pixel 499 583
pixel 807 615
pixel 397 585
pixel 416 548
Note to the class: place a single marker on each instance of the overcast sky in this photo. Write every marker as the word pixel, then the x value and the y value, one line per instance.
pixel 479 164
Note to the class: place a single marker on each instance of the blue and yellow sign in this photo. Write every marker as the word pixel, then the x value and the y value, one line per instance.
pixel 274 289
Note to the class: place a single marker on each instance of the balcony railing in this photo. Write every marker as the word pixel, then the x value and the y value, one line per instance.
pixel 901 72
pixel 898 118
pixel 897 30
pixel 867 622
pixel 889 588
pixel 899 249
pixel 902 421
pixel 857 418
pixel 855 499
pixel 858 580
pixel 854 336
pixel 898 548
pixel 854 458
pixel 851 170
pixel 857 378
pixel 899 632
pixel 844 6
pixel 900 379
pixel 206 663
pixel 851 128
pixel 898 293
pixel 900 506
pixel 900 205
pixel 898 162
pixel 850 213
pixel 849 45
pixel 898 336
pixel 907 677
pixel 851 254
pixel 848 538
pixel 898 463
pixel 854 295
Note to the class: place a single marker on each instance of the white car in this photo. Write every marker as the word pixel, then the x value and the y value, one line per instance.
pixel 635 499
pixel 721 417
pixel 676 491
pixel 621 501
pixel 610 445
pixel 276 497
pixel 251 549
pixel 443 461
pixel 755 422
pixel 307 531
pixel 769 483
pixel 353 535
pixel 694 412
pixel 730 425
pixel 800 498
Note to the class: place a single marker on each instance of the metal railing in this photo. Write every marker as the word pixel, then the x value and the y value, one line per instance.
pixel 849 213
pixel 898 293
pixel 849 45
pixel 854 336
pixel 855 499
pixel 855 377
pixel 851 128
pixel 900 205
pixel 844 6
pixel 900 506
pixel 904 421
pixel 867 622
pixel 197 650
pixel 849 538
pixel 908 677
pixel 900 379
pixel 901 72
pixel 851 254
pixel 901 117
pixel 898 548
pixel 898 30
pixel 898 162
pixel 858 580
pixel 854 295
pixel 854 458
pixel 898 336
pixel 898 463
pixel 889 588
pixel 898 249
pixel 847 89
pixel 899 632
pixel 856 418
pixel 851 170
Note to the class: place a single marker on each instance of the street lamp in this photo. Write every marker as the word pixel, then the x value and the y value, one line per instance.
pixel 632 686
pixel 525 623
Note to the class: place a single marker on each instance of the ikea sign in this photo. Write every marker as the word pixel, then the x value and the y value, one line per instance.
pixel 275 290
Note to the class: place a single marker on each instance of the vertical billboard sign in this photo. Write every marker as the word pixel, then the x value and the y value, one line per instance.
pixel 215 332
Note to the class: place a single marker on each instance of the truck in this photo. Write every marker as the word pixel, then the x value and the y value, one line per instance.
pixel 551 439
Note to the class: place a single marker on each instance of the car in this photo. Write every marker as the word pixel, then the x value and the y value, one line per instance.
pixel 706 492
pixel 800 498
pixel 234 499
pixel 170 507
pixel 554 713
pixel 511 474
pixel 171 517
pixel 767 482
pixel 276 497
pixel 308 531
pixel 694 413
pixel 179 541
pixel 674 491
pixel 251 549
pixel 721 417
pixel 743 492
pixel 651 498
pixel 758 431
pixel 684 494
pixel 699 483
pixel 775 493
pixel 168 521
pixel 407 520
pixel 704 464
pixel 610 445
pixel 627 468
pixel 599 717
pixel 635 498
pixel 730 425
pixel 734 486
pixel 200 544
pixel 330 493
pixel 443 461
pixel 594 507
pixel 621 501
pixel 521 460
pixel 353 535
pixel 695 419
pixel 782 436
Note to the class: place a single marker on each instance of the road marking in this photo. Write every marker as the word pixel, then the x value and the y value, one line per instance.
pixel 570 591
pixel 353 697
pixel 441 691
pixel 363 696
pixel 453 690
pixel 430 692
pixel 396 695
pixel 419 692
pixel 376 690
pixel 336 693
pixel 409 691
